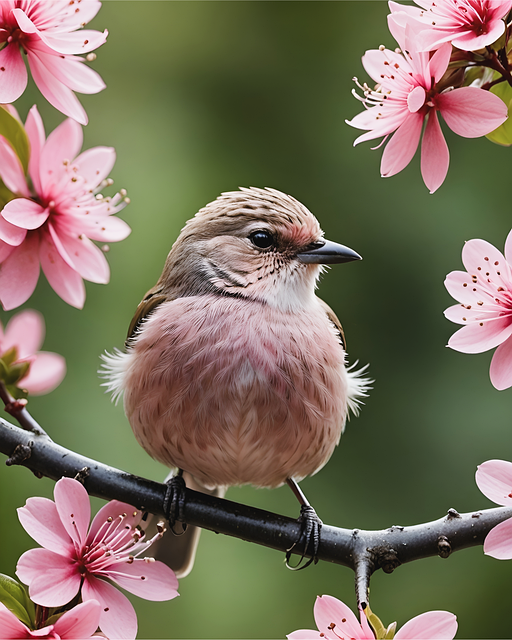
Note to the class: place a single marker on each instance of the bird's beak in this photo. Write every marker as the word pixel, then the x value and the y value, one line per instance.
pixel 327 252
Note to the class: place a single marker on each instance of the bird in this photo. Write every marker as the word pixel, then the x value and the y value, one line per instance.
pixel 234 371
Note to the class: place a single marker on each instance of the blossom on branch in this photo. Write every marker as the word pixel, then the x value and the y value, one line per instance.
pixel 467 24
pixel 52 222
pixel 21 362
pixel 47 33
pixel 79 622
pixel 410 91
pixel 75 559
pixel 335 620
pixel 485 296
pixel 494 479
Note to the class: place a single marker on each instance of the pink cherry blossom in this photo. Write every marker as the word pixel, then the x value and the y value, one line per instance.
pixel 73 558
pixel 25 333
pixel 409 93
pixel 494 479
pixel 52 222
pixel 485 309
pixel 467 24
pixel 335 620
pixel 46 31
pixel 79 623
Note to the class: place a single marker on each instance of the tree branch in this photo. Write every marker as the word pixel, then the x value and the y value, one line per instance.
pixel 363 551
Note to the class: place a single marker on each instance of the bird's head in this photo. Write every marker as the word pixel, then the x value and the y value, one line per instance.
pixel 253 243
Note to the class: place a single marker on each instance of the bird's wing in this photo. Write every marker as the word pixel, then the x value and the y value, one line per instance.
pixel 334 319
pixel 151 300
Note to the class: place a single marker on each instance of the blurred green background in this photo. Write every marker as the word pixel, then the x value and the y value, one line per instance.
pixel 204 97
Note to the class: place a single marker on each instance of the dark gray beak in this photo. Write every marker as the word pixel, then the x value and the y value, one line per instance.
pixel 327 252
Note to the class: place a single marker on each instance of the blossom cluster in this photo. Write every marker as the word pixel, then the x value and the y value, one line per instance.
pixel 81 561
pixel 452 60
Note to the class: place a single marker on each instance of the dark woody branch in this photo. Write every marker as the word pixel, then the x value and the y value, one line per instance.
pixel 363 551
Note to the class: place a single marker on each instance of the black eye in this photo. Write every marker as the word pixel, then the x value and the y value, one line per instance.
pixel 261 239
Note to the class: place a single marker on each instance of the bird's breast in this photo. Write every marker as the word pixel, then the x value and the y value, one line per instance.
pixel 235 391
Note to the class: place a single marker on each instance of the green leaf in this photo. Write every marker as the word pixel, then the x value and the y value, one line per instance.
pixel 17 372
pixel 16 392
pixel 14 131
pixel 5 195
pixel 15 598
pixel 503 134
pixel 10 356
pixel 379 629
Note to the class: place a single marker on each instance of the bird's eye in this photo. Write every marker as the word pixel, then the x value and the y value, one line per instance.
pixel 261 239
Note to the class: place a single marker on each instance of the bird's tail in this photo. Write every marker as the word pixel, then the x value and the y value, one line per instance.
pixel 179 552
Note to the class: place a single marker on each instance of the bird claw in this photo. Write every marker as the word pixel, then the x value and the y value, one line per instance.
pixel 310 534
pixel 174 503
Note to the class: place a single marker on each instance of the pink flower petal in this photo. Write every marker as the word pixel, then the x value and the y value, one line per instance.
pixel 5 250
pixel 25 214
pixel 64 280
pixel 14 74
pixel 434 625
pixel 329 610
pixel 498 542
pixel 11 170
pixel 53 579
pixel 41 521
pixel 25 331
pixel 118 620
pixel 401 148
pixel 494 479
pixel 477 338
pixel 471 112
pixel 74 508
pixel 105 228
pixel 80 621
pixel 469 41
pixel 439 62
pixel 46 372
pixel 416 99
pixel 57 94
pixel 19 273
pixel 82 255
pixel 12 628
pixel 96 164
pixel 71 71
pixel 63 143
pixel 480 256
pixel 435 156
pixel 149 579
pixel 460 286
pixel 35 131
pixel 501 366
pixel 508 248
pixel 10 233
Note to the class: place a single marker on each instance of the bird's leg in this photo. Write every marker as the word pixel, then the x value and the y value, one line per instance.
pixel 311 524
pixel 174 502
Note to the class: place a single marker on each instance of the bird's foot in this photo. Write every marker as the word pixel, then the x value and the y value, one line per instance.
pixel 174 503
pixel 309 538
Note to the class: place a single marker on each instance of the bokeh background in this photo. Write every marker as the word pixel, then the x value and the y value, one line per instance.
pixel 204 97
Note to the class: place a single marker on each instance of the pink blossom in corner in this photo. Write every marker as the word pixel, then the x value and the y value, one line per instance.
pixel 408 93
pixel 494 479
pixel 73 558
pixel 467 24
pixel 335 620
pixel 485 296
pixel 25 332
pixel 52 222
pixel 47 33
pixel 79 622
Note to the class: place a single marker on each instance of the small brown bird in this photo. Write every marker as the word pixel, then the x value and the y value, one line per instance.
pixel 235 371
